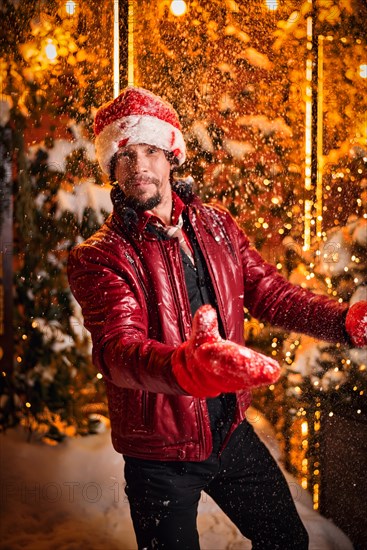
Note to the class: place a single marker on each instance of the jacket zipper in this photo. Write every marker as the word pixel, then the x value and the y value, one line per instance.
pixel 174 291
pixel 144 407
pixel 201 404
pixel 135 268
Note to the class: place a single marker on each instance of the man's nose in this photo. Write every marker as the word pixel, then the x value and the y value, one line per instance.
pixel 139 163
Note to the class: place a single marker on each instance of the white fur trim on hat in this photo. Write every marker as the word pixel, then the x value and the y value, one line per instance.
pixel 138 129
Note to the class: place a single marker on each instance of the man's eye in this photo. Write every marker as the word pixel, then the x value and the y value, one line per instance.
pixel 152 150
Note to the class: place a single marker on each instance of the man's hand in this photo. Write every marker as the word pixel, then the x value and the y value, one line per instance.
pixel 356 324
pixel 206 365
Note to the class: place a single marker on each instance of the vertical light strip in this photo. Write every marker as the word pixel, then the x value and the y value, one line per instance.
pixel 308 125
pixel 320 148
pixel 308 137
pixel 116 49
pixel 130 44
pixel 307 227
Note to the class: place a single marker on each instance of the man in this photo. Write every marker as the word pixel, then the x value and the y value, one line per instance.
pixel 154 284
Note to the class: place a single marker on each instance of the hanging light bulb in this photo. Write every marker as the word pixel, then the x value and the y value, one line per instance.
pixel 272 5
pixel 70 7
pixel 178 7
pixel 50 50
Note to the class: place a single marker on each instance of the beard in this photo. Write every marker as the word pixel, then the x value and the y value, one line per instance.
pixel 140 204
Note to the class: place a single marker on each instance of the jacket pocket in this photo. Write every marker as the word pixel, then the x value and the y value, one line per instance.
pixel 140 412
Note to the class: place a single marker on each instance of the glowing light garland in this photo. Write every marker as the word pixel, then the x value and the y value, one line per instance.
pixel 116 49
pixel 130 44
pixel 320 142
pixel 313 203
pixel 308 140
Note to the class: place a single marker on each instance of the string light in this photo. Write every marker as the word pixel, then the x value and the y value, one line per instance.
pixel 304 427
pixel 304 469
pixel 316 496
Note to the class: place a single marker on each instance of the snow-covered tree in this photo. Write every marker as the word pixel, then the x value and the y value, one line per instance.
pixel 49 70
pixel 334 375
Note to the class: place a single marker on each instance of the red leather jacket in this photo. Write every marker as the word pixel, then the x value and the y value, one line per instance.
pixel 132 291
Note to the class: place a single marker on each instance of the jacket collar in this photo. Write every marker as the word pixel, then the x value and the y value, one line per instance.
pixel 148 216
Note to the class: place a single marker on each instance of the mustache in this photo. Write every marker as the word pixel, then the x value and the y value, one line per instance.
pixel 141 179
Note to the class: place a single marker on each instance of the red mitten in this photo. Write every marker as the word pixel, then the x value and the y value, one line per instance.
pixel 206 365
pixel 356 324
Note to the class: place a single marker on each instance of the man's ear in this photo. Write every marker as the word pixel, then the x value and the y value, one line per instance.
pixel 172 159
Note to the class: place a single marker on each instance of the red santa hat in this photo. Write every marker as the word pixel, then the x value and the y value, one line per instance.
pixel 137 116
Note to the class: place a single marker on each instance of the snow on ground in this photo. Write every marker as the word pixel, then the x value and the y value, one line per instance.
pixel 71 496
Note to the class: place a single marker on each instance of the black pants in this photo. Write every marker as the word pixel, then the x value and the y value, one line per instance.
pixel 244 481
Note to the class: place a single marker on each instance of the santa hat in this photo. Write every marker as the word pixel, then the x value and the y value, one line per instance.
pixel 137 116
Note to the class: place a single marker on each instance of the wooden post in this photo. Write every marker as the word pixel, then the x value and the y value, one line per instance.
pixel 123 14
pixel 6 253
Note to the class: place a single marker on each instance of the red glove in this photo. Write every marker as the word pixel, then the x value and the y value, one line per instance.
pixel 206 365
pixel 356 324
